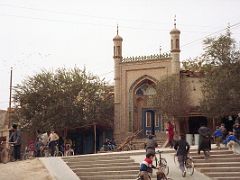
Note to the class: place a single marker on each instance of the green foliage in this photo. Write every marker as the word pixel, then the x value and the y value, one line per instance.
pixel 64 98
pixel 171 96
pixel 221 86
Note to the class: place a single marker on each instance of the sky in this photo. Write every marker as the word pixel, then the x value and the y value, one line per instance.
pixel 50 34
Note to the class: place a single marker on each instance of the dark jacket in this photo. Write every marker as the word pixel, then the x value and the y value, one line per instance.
pixel 182 147
pixel 16 137
pixel 151 143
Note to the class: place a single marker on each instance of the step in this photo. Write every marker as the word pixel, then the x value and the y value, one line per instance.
pixel 223 174
pixel 227 178
pixel 225 164
pixel 193 153
pixel 79 165
pixel 220 169
pixel 128 172
pixel 109 177
pixel 96 158
pixel 101 161
pixel 100 169
pixel 213 156
pixel 216 160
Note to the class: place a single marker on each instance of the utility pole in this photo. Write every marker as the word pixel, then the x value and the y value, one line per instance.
pixel 10 100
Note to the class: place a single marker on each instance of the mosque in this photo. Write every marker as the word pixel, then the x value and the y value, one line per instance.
pixel 135 84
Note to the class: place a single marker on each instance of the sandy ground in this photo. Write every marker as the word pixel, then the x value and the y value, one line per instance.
pixel 24 170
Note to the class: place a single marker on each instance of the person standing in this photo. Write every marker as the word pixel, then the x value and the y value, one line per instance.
pixel 16 140
pixel 236 130
pixel 170 133
pixel 182 148
pixel 224 132
pixel 218 136
pixel 53 142
pixel 204 140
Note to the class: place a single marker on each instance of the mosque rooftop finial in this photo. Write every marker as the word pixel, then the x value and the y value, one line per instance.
pixel 175 21
pixel 175 30
pixel 117 37
pixel 117 29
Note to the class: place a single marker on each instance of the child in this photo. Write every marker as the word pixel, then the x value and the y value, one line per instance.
pixel 146 167
pixel 218 136
pixel 182 148
pixel 231 141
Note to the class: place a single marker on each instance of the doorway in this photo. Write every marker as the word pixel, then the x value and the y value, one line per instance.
pixel 151 121
pixel 195 122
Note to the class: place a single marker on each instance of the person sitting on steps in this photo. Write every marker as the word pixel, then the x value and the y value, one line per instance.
pixel 232 142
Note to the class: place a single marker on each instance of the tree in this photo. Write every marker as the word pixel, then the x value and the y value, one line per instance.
pixel 221 85
pixel 64 98
pixel 171 96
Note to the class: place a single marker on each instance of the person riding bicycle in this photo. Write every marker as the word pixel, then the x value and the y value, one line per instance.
pixel 53 141
pixel 150 144
pixel 182 147
pixel 147 166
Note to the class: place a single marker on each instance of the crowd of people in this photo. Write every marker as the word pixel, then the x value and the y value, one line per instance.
pixel 45 142
pixel 182 147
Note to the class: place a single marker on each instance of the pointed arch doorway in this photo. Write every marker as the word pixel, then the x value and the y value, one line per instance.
pixel 146 116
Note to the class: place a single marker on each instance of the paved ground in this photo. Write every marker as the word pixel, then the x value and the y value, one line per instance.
pixel 24 170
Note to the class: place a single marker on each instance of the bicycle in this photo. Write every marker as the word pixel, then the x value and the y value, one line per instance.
pixel 161 163
pixel 6 152
pixel 188 164
pixel 160 175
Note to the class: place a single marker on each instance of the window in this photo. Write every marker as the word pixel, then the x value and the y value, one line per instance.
pixel 139 92
pixel 157 121
pixel 177 43
pixel 114 51
pixel 171 44
pixel 148 119
pixel 119 51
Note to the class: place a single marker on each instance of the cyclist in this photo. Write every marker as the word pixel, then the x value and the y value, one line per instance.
pixel 150 144
pixel 146 167
pixel 182 148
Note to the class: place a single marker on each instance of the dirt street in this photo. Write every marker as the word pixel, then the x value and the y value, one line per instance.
pixel 24 170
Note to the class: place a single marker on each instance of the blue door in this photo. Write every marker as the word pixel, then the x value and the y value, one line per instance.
pixel 151 122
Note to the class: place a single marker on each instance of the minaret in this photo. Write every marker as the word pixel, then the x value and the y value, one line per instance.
pixel 175 48
pixel 117 56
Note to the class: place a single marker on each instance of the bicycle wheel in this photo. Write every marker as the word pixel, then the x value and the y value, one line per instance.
pixel 70 153
pixel 5 156
pixel 189 166
pixel 58 153
pixel 164 167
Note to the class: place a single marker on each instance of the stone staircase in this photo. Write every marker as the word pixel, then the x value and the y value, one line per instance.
pixel 160 138
pixel 221 165
pixel 104 166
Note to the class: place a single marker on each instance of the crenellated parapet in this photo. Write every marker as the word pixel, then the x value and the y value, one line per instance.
pixel 147 58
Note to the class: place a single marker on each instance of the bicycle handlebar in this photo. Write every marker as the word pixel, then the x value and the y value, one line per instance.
pixel 159 152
